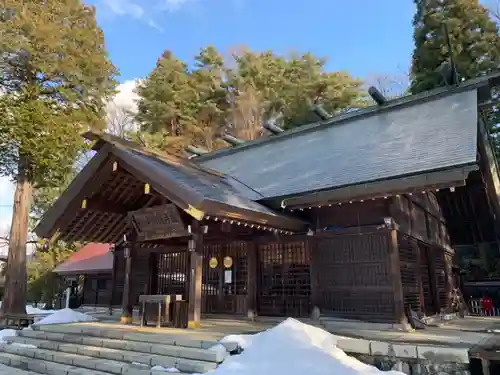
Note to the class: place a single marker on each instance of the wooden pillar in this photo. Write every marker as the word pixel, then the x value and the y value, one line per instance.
pixel 313 244
pixel 252 259
pixel 113 283
pixel 397 285
pixel 153 274
pixel 127 307
pixel 195 249
pixel 431 256
pixel 418 272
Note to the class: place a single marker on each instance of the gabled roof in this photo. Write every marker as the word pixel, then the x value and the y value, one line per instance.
pixel 185 183
pixel 407 137
pixel 91 258
pixel 435 135
pixel 194 189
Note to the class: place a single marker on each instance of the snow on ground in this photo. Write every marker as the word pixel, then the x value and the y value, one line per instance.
pixel 6 333
pixel 293 348
pixel 36 311
pixel 243 341
pixel 220 350
pixel 165 369
pixel 30 310
pixel 65 316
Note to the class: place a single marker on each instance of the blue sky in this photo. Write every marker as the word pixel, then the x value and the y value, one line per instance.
pixel 362 36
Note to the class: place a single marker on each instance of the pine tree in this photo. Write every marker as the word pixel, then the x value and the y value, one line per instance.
pixel 166 106
pixel 55 77
pixel 178 106
pixel 288 86
pixel 43 283
pixel 210 105
pixel 473 35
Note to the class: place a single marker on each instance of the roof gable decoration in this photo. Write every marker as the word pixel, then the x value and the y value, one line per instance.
pixel 199 192
pixel 204 195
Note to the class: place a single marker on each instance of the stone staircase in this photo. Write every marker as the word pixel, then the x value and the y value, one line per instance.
pixel 87 350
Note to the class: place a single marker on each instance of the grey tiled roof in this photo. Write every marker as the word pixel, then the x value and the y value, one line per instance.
pixel 203 184
pixel 437 133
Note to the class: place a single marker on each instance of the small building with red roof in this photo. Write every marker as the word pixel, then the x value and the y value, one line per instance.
pixel 92 265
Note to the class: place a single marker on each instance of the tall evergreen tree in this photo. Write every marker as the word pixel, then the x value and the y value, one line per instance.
pixel 216 96
pixel 208 80
pixel 473 35
pixel 289 85
pixel 166 105
pixel 54 76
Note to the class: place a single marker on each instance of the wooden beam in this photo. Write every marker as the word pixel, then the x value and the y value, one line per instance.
pixel 431 252
pixel 100 204
pixel 377 189
pixel 127 307
pixel 89 180
pixel 397 285
pixel 195 249
pixel 252 279
pixel 113 282
pixel 153 273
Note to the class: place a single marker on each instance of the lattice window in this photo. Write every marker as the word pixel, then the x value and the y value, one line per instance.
pixel 172 269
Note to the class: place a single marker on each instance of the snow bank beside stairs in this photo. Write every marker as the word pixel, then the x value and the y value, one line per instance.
pixel 66 316
pixel 293 348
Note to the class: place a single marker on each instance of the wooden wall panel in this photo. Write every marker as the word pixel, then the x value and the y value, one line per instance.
pixel 350 215
pixel 97 290
pixel 354 276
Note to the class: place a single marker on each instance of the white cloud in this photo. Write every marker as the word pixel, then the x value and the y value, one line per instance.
pixel 126 97
pixel 119 110
pixel 125 7
pixel 144 10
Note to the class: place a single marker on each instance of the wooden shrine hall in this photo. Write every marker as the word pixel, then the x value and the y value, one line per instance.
pixel 356 216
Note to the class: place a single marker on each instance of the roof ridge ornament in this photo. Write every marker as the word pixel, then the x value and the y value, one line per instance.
pixel 321 112
pixel 233 141
pixel 195 151
pixel 272 127
pixel 376 95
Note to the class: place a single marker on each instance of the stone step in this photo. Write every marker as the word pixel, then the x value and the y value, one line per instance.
pixel 7 370
pixel 128 346
pixel 59 363
pixel 113 354
pixel 121 334
pixel 37 366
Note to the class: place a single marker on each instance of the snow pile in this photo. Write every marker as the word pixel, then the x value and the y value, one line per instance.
pixel 30 310
pixel 243 341
pixel 164 369
pixel 293 348
pixel 66 316
pixel 4 333
pixel 220 350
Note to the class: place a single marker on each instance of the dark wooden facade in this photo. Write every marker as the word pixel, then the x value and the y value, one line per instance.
pixel 97 289
pixel 367 260
pixel 370 250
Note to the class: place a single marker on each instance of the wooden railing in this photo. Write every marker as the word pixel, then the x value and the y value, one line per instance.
pixel 476 309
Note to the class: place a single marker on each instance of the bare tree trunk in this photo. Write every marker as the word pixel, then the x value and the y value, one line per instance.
pixel 14 301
